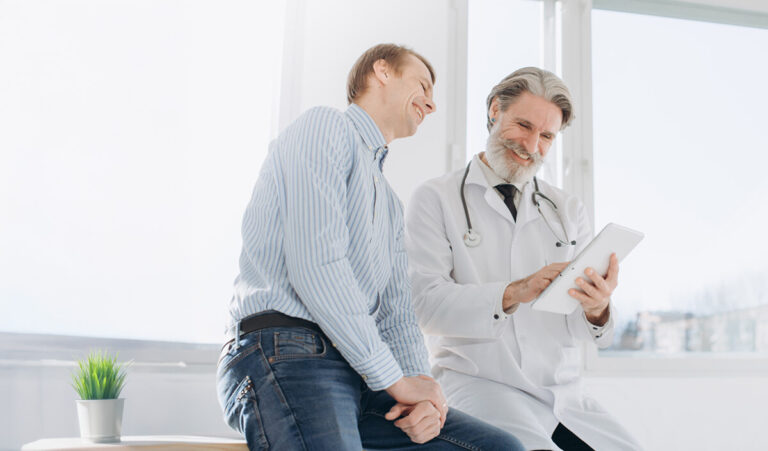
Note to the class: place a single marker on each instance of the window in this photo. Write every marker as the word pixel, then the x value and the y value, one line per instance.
pixel 130 137
pixel 503 36
pixel 679 154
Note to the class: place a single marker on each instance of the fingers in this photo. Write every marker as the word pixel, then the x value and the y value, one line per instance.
pixel 590 289
pixel 439 401
pixel 420 411
pixel 426 435
pixel 559 267
pixel 613 271
pixel 598 281
pixel 422 424
pixel 442 410
pixel 397 411
pixel 436 398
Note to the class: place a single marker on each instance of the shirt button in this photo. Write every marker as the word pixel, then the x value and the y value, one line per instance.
pixel 365 378
pixel 333 344
pixel 376 179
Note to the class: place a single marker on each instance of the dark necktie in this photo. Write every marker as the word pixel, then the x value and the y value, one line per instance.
pixel 508 191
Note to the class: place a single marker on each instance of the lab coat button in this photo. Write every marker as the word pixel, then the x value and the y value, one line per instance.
pixel 495 316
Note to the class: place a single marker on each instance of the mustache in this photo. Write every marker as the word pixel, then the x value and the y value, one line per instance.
pixel 516 147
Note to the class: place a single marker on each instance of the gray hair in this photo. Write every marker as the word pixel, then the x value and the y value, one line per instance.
pixel 538 82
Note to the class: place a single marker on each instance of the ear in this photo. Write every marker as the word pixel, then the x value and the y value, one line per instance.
pixel 493 111
pixel 381 72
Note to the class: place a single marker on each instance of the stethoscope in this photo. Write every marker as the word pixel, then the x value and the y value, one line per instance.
pixel 472 238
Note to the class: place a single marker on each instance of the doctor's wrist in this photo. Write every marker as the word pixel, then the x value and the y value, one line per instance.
pixel 509 301
pixel 598 317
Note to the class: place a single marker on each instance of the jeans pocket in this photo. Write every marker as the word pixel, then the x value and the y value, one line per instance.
pixel 230 358
pixel 242 414
pixel 297 345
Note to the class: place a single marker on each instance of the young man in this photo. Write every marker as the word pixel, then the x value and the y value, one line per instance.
pixel 497 358
pixel 325 351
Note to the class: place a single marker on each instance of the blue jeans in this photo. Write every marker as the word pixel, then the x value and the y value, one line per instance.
pixel 288 388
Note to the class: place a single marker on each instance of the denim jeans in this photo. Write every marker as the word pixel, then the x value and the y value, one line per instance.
pixel 288 388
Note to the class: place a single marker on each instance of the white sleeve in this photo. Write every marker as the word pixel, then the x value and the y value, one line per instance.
pixel 444 307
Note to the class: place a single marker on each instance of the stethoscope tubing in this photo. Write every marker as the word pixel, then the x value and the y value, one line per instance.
pixel 472 238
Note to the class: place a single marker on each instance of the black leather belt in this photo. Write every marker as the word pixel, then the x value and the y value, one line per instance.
pixel 274 319
pixel 270 318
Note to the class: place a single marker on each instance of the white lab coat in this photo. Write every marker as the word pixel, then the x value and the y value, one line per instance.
pixel 521 371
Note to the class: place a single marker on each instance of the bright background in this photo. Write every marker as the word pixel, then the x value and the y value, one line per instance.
pixel 131 133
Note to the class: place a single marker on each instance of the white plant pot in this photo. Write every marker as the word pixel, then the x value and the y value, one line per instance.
pixel 101 420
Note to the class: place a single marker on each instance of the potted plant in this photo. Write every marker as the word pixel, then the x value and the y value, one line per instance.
pixel 99 380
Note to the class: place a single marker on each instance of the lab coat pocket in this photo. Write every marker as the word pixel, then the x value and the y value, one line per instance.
pixel 570 365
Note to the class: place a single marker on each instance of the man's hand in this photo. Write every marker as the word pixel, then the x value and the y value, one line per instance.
pixel 596 295
pixel 421 422
pixel 412 390
pixel 526 290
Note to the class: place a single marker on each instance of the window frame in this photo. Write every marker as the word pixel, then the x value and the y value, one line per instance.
pixel 578 175
pixel 44 350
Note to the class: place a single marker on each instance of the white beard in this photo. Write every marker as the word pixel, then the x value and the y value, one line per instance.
pixel 503 165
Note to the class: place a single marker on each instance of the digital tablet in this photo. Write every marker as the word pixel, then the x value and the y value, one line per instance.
pixel 613 238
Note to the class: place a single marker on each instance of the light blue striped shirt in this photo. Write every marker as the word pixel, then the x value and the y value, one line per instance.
pixel 323 241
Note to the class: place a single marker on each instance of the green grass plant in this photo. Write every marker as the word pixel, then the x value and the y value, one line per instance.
pixel 99 376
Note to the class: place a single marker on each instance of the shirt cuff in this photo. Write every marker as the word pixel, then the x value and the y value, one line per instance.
pixel 598 331
pixel 499 314
pixel 380 371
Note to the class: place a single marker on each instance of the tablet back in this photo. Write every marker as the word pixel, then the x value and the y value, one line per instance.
pixel 613 238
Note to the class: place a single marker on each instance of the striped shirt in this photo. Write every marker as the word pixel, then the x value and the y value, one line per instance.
pixel 323 241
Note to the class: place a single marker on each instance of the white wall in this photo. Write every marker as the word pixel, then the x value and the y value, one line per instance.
pixel 688 413
pixel 170 388
pixel 37 402
pixel 324 60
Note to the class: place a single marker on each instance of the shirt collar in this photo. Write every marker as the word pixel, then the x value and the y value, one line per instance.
pixel 370 133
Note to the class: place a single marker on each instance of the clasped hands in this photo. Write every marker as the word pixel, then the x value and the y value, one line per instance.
pixel 594 291
pixel 421 407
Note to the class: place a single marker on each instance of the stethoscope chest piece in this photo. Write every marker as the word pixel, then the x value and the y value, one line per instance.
pixel 472 238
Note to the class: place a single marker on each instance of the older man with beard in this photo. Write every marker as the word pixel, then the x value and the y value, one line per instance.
pixel 481 250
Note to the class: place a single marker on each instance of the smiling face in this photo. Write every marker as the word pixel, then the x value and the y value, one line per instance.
pixel 521 136
pixel 408 97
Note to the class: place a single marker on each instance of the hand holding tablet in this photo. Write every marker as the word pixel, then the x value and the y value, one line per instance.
pixel 612 239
